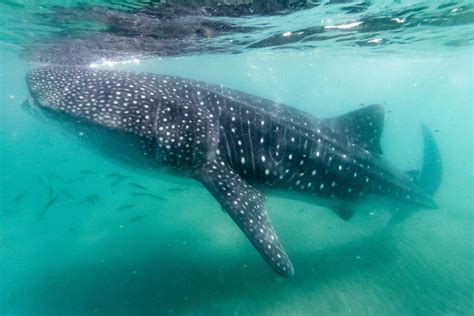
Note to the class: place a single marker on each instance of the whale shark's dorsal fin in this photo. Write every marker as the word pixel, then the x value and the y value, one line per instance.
pixel 363 126
pixel 246 207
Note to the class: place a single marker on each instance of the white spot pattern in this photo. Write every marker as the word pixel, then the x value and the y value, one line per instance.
pixel 257 139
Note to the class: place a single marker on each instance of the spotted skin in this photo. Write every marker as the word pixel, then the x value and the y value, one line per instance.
pixel 231 140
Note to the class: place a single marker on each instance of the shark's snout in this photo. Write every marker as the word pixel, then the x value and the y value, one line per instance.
pixel 37 87
pixel 32 86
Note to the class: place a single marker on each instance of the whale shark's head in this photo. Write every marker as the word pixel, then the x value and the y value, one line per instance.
pixel 46 95
pixel 118 100
pixel 97 107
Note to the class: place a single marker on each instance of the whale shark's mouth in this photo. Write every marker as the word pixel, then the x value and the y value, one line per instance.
pixel 31 106
pixel 35 109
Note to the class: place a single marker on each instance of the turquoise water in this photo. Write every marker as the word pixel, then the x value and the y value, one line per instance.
pixel 100 249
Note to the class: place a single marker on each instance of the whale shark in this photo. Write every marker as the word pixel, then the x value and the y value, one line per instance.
pixel 238 145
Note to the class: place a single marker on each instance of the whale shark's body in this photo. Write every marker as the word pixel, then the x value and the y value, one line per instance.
pixel 230 141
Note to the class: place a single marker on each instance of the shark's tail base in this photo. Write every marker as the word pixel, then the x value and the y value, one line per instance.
pixel 428 179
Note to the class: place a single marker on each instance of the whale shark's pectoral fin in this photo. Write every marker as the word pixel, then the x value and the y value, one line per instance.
pixel 246 207
pixel 364 126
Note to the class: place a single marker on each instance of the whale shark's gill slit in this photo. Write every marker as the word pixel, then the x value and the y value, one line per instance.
pixel 229 134
pixel 225 141
pixel 250 143
pixel 242 155
pixel 272 151
pixel 242 143
pixel 246 207
pixel 182 155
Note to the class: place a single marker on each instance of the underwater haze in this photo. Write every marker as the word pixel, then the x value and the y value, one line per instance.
pixel 83 232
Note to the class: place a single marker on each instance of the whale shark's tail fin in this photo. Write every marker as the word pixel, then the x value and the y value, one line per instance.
pixel 428 179
pixel 431 173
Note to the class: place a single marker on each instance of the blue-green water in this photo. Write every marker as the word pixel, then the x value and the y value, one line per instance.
pixel 183 254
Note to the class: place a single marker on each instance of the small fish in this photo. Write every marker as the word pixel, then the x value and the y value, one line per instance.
pixel 117 175
pixel 117 181
pixel 93 198
pixel 75 180
pixel 138 186
pixel 50 202
pixel 151 195
pixel 178 189
pixel 136 218
pixel 19 197
pixel 46 207
pixel 73 230
pixel 67 194
pixel 125 207
pixel 87 171
pixel 50 191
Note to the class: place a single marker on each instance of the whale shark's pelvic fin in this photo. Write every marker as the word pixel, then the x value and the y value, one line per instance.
pixel 246 207
pixel 364 126
pixel 344 211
